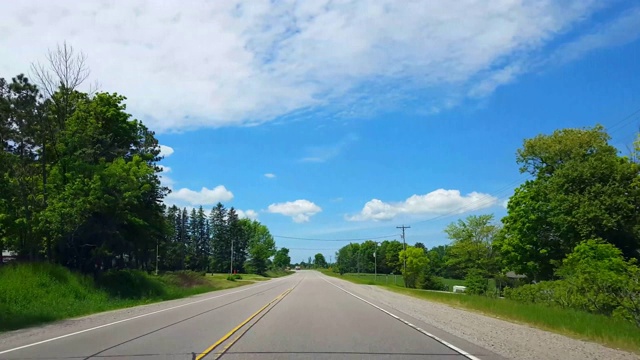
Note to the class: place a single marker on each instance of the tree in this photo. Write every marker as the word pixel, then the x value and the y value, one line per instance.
pixel 319 261
pixel 472 245
pixel 420 245
pixel 237 239
pixel 438 259
pixel 417 263
pixel 220 241
pixel 261 245
pixel 347 258
pixel 582 190
pixel 392 256
pixel 282 259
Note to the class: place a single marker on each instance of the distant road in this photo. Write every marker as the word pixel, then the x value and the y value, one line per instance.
pixel 303 316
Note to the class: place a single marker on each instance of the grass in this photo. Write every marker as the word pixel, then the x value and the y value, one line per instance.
pixel 38 293
pixel 278 273
pixel 577 324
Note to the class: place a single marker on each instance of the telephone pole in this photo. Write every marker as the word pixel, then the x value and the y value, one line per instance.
pixel 404 247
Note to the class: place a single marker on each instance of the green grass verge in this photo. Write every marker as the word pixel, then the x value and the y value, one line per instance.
pixel 38 293
pixel 278 273
pixel 577 324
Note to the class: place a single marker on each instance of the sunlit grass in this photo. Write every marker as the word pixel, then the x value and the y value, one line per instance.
pixel 37 293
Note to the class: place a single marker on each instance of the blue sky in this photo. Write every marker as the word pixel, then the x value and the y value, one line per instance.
pixel 342 120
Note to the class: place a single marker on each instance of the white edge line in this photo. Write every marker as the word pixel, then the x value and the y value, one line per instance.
pixel 445 343
pixel 131 318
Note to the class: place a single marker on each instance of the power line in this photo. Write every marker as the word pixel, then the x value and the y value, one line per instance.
pixel 354 239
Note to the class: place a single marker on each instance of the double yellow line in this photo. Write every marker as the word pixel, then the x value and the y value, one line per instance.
pixel 235 329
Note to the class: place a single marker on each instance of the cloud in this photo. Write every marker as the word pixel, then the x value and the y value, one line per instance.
pixel 203 197
pixel 270 175
pixel 253 61
pixel 248 214
pixel 323 153
pixel 164 179
pixel 440 201
pixel 300 210
pixel 622 30
pixel 165 150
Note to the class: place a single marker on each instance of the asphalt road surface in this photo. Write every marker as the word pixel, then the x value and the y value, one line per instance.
pixel 303 316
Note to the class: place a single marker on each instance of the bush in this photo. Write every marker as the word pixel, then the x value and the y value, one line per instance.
pixel 595 278
pixel 131 284
pixel 476 283
pixel 432 282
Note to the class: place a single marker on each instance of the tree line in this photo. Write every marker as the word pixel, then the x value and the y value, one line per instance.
pixel 572 232
pixel 80 185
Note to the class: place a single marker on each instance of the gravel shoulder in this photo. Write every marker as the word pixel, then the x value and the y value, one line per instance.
pixel 513 341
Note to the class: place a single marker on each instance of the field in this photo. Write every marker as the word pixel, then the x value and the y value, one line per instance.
pixel 39 293
pixel 605 330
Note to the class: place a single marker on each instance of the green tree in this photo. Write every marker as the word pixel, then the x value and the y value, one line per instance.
pixel 347 258
pixel 417 265
pixel 471 246
pixel 319 261
pixel 582 190
pixel 261 245
pixel 237 239
pixel 282 259
pixel 220 240
pixel 392 256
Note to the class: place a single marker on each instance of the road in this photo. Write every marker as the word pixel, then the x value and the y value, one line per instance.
pixel 307 315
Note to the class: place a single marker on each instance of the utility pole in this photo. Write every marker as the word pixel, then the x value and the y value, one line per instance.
pixel 375 266
pixel 231 264
pixel 404 247
pixel 157 254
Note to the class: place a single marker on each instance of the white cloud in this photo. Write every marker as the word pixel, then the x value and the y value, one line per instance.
pixel 505 203
pixel 164 179
pixel 300 210
pixel 203 197
pixel 440 201
pixel 217 63
pixel 165 150
pixel 249 214
pixel 270 175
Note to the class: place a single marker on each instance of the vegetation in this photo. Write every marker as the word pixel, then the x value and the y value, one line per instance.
pixel 80 190
pixel 571 235
pixel 38 293
pixel 80 186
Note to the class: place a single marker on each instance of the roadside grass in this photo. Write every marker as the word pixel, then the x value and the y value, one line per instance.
pixel 278 273
pixel 32 294
pixel 577 324
pixel 397 280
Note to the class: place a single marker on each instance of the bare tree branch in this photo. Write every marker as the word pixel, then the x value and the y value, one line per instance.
pixel 65 68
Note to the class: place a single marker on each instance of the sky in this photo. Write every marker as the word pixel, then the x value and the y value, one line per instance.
pixel 337 121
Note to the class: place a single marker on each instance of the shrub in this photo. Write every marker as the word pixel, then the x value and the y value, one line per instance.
pixel 595 278
pixel 476 283
pixel 432 282
pixel 131 284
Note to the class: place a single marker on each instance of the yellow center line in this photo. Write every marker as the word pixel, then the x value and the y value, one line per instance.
pixel 230 344
pixel 234 330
